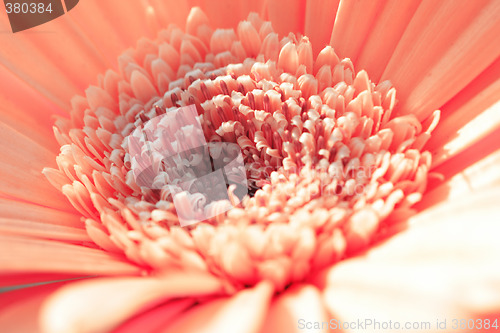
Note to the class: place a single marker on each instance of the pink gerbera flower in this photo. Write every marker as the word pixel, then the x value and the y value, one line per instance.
pixel 369 133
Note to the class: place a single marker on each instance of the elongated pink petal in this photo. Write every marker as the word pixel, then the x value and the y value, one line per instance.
pixel 243 313
pixel 28 255
pixel 468 117
pixel 26 109
pixel 319 18
pixel 23 278
pixel 20 167
pixel 424 66
pixel 227 13
pixel 293 10
pixel 382 39
pixel 443 265
pixel 353 23
pixel 157 318
pixel 19 309
pixel 19 210
pixel 291 311
pixel 126 296
pixel 461 181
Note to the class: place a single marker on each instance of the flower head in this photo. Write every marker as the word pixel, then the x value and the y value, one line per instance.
pixel 331 164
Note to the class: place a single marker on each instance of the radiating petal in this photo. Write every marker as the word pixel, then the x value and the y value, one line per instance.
pixel 22 162
pixel 27 255
pixel 384 36
pixel 26 109
pixel 427 68
pixel 227 13
pixel 319 18
pixel 19 210
pixel 125 296
pixel 353 22
pixel 290 312
pixel 242 313
pixel 286 16
pixel 157 318
pixel 462 182
pixel 19 309
pixel 443 266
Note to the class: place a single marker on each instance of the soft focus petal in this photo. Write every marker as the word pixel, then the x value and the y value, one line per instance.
pixel 428 68
pixel 26 255
pixel 292 10
pixel 19 309
pixel 318 25
pixel 443 266
pixel 460 181
pixel 108 302
pixel 157 318
pixel 469 116
pixel 20 167
pixel 299 304
pixel 242 313
pixel 227 13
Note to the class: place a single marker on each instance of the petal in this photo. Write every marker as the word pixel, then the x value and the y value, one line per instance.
pixel 22 153
pixel 242 313
pixel 42 230
pixel 18 210
pixel 19 309
pixel 291 311
pixel 319 19
pixel 155 319
pixel 443 265
pixel 286 16
pixel 21 168
pixel 70 308
pixel 428 69
pixel 384 36
pixel 462 115
pixel 476 129
pixel 27 110
pixel 353 22
pixel 227 13
pixel 27 256
pixel 15 280
pixel 473 170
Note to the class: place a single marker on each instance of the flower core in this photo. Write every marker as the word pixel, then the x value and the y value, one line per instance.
pixel 329 162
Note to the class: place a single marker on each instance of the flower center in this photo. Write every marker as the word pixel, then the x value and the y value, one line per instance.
pixel 328 162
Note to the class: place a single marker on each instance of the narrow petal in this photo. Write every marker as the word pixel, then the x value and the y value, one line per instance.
pixel 41 230
pixel 319 19
pixel 19 152
pixel 19 309
pixel 424 66
pixel 227 13
pixel 242 313
pixel 461 181
pixel 126 296
pixel 384 36
pixel 468 117
pixel 27 256
pixel 443 265
pixel 157 318
pixel 13 280
pixel 291 311
pixel 286 16
pixel 26 109
pixel 353 22
pixel 19 210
